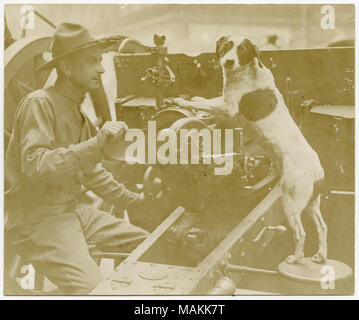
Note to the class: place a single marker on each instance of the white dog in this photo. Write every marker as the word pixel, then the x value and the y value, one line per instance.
pixel 251 98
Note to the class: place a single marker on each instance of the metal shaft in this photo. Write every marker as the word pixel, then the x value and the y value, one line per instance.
pixel 242 269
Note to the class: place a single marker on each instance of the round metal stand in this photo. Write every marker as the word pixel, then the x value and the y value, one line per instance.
pixel 332 274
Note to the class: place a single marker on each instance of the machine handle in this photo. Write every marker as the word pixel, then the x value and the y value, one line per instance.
pixel 152 185
pixel 279 229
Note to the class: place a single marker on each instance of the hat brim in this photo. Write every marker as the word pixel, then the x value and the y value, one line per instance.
pixel 103 44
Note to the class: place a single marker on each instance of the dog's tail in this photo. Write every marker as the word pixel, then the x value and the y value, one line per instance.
pixel 320 188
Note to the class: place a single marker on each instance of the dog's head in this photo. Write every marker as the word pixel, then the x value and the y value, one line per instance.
pixel 235 52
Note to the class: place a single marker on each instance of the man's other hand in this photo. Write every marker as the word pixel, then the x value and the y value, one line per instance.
pixel 111 133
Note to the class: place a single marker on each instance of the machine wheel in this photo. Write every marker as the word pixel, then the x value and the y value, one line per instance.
pixel 171 177
pixel 20 78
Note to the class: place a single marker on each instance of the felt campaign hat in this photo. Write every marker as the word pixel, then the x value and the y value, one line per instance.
pixel 69 38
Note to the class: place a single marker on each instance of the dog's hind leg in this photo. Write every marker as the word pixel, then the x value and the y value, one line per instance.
pixel 297 189
pixel 313 210
pixel 295 224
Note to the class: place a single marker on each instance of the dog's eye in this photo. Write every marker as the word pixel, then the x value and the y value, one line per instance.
pixel 226 47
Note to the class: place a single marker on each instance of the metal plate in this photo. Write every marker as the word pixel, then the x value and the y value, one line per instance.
pixel 154 272
pixel 142 278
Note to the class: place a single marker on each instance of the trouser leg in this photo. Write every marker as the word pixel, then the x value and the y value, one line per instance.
pixel 57 248
pixel 101 228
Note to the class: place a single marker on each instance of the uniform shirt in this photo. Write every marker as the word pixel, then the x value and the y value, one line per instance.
pixel 52 153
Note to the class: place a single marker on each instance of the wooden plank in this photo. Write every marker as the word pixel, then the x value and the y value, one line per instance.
pixel 155 235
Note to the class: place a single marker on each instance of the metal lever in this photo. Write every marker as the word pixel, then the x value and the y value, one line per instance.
pixel 172 78
pixel 227 267
pixel 280 229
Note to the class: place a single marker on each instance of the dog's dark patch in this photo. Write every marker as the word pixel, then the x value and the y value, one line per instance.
pixel 258 104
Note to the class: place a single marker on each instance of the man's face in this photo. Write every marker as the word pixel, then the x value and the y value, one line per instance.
pixel 86 69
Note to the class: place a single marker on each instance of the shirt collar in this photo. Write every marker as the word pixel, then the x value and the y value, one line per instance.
pixel 67 89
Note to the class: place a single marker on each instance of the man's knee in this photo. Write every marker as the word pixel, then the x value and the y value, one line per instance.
pixel 78 281
pixel 87 285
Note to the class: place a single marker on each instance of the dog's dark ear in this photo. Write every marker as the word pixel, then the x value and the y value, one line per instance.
pixel 246 51
pixel 220 42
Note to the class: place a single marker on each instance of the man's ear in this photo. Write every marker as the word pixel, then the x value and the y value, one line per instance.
pixel 65 67
pixel 219 44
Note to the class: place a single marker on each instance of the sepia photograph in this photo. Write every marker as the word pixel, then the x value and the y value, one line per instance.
pixel 178 149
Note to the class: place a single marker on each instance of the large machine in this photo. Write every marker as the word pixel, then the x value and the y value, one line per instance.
pixel 211 232
pixel 223 225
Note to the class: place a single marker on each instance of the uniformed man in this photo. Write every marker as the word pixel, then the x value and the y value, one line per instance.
pixel 53 152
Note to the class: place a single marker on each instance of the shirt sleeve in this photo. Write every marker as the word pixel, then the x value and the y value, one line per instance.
pixel 40 159
pixel 102 183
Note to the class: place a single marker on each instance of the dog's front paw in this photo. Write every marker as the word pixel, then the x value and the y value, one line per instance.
pixel 319 258
pixel 198 99
pixel 181 102
pixel 292 259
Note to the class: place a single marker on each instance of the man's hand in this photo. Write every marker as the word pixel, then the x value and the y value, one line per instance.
pixel 111 133
pixel 142 203
pixel 139 202
pixel 144 209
